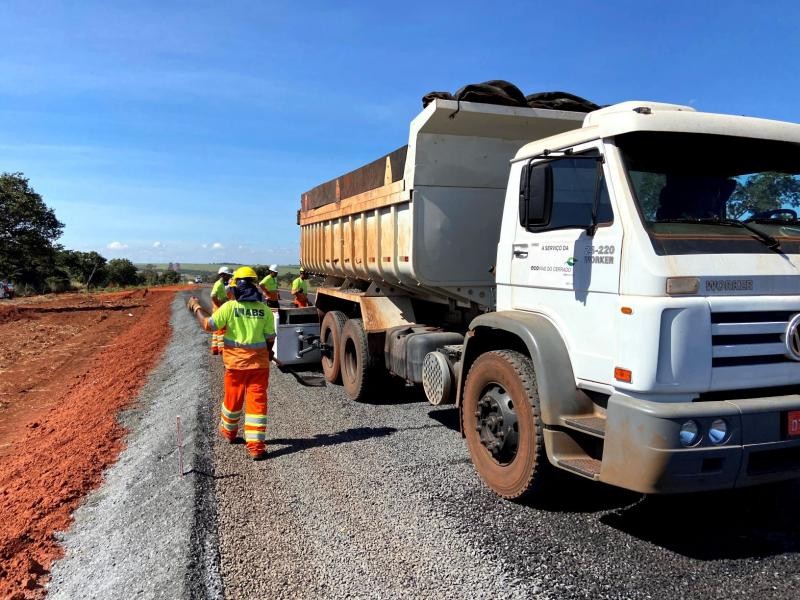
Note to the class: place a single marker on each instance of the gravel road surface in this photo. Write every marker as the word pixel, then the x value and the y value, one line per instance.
pixel 148 532
pixel 379 500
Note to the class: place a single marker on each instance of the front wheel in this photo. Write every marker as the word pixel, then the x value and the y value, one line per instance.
pixel 502 424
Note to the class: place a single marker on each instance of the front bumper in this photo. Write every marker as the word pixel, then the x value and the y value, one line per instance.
pixel 642 452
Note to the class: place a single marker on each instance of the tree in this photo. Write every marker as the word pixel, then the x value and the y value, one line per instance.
pixel 121 271
pixel 170 276
pixel 87 268
pixel 763 192
pixel 28 232
pixel 261 271
pixel 149 274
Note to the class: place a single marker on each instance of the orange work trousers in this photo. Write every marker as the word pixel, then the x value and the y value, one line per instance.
pixel 300 300
pixel 246 388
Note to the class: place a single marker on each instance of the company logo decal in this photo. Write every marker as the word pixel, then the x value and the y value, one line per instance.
pixel 792 338
pixel 729 285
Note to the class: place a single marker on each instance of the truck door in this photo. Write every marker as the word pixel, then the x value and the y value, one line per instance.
pixel 567 264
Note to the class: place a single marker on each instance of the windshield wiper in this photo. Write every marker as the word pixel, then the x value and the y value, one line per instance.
pixel 777 222
pixel 768 240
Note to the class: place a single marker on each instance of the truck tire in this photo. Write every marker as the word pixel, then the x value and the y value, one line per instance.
pixel 330 332
pixel 502 424
pixel 356 363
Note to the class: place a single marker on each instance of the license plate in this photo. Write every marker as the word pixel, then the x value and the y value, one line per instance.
pixel 793 423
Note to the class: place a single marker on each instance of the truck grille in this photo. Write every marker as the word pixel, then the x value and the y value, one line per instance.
pixel 749 338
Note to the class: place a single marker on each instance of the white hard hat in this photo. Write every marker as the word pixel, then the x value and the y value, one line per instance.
pixel 273 268
pixel 224 271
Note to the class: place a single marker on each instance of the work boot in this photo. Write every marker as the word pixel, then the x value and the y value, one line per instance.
pixel 231 439
pixel 259 457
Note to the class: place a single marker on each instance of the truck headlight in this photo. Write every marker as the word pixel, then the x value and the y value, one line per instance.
pixel 689 434
pixel 718 432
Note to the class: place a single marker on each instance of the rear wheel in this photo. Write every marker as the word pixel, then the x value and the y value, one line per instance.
pixel 356 362
pixel 502 424
pixel 330 334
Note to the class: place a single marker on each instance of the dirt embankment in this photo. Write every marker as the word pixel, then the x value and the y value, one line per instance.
pixel 67 367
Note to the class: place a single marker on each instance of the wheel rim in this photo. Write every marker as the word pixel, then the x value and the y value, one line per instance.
pixel 350 360
pixel 496 423
pixel 327 340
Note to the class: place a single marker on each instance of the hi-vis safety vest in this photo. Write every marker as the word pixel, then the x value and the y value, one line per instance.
pixel 248 326
pixel 270 283
pixel 300 285
pixel 218 291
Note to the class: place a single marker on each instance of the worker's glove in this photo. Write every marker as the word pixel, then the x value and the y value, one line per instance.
pixel 193 304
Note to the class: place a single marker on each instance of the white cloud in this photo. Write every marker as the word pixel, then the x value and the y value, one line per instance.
pixel 158 245
pixel 217 246
pixel 117 246
pixel 204 245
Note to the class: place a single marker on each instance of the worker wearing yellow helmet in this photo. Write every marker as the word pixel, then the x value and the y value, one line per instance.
pixel 218 298
pixel 300 289
pixel 249 335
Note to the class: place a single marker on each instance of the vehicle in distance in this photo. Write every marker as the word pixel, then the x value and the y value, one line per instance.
pixel 7 289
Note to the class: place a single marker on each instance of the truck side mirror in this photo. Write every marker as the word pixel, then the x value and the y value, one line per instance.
pixel 540 195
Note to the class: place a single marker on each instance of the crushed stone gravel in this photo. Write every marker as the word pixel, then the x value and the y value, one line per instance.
pixel 148 532
pixel 380 500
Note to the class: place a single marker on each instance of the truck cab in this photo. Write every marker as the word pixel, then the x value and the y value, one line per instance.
pixel 635 239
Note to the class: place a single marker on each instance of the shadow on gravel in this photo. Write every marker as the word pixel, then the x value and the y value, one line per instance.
pixel 305 375
pixel 569 494
pixel 447 417
pixel 395 391
pixel 307 379
pixel 735 524
pixel 356 434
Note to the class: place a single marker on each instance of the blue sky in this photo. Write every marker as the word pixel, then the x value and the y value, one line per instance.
pixel 186 131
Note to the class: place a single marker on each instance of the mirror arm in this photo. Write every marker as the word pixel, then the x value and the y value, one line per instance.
pixel 592 229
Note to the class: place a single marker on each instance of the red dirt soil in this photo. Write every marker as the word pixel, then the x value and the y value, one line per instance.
pixel 68 365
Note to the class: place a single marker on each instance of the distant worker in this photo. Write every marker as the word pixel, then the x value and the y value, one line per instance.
pixel 249 334
pixel 300 289
pixel 269 286
pixel 219 297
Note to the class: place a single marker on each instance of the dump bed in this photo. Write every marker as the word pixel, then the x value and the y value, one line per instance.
pixel 426 217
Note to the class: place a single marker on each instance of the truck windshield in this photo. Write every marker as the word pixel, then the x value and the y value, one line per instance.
pixel 711 194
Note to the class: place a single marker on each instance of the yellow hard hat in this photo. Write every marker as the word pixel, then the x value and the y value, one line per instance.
pixel 244 273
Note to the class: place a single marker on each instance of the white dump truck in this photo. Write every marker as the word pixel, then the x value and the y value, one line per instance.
pixel 603 293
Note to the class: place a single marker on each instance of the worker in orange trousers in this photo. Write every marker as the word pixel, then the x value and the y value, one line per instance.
pixel 300 289
pixel 249 335
pixel 218 298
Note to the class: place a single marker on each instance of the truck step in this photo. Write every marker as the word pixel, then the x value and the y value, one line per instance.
pixel 588 467
pixel 591 424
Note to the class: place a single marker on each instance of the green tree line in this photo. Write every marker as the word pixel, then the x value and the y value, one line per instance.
pixel 31 257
